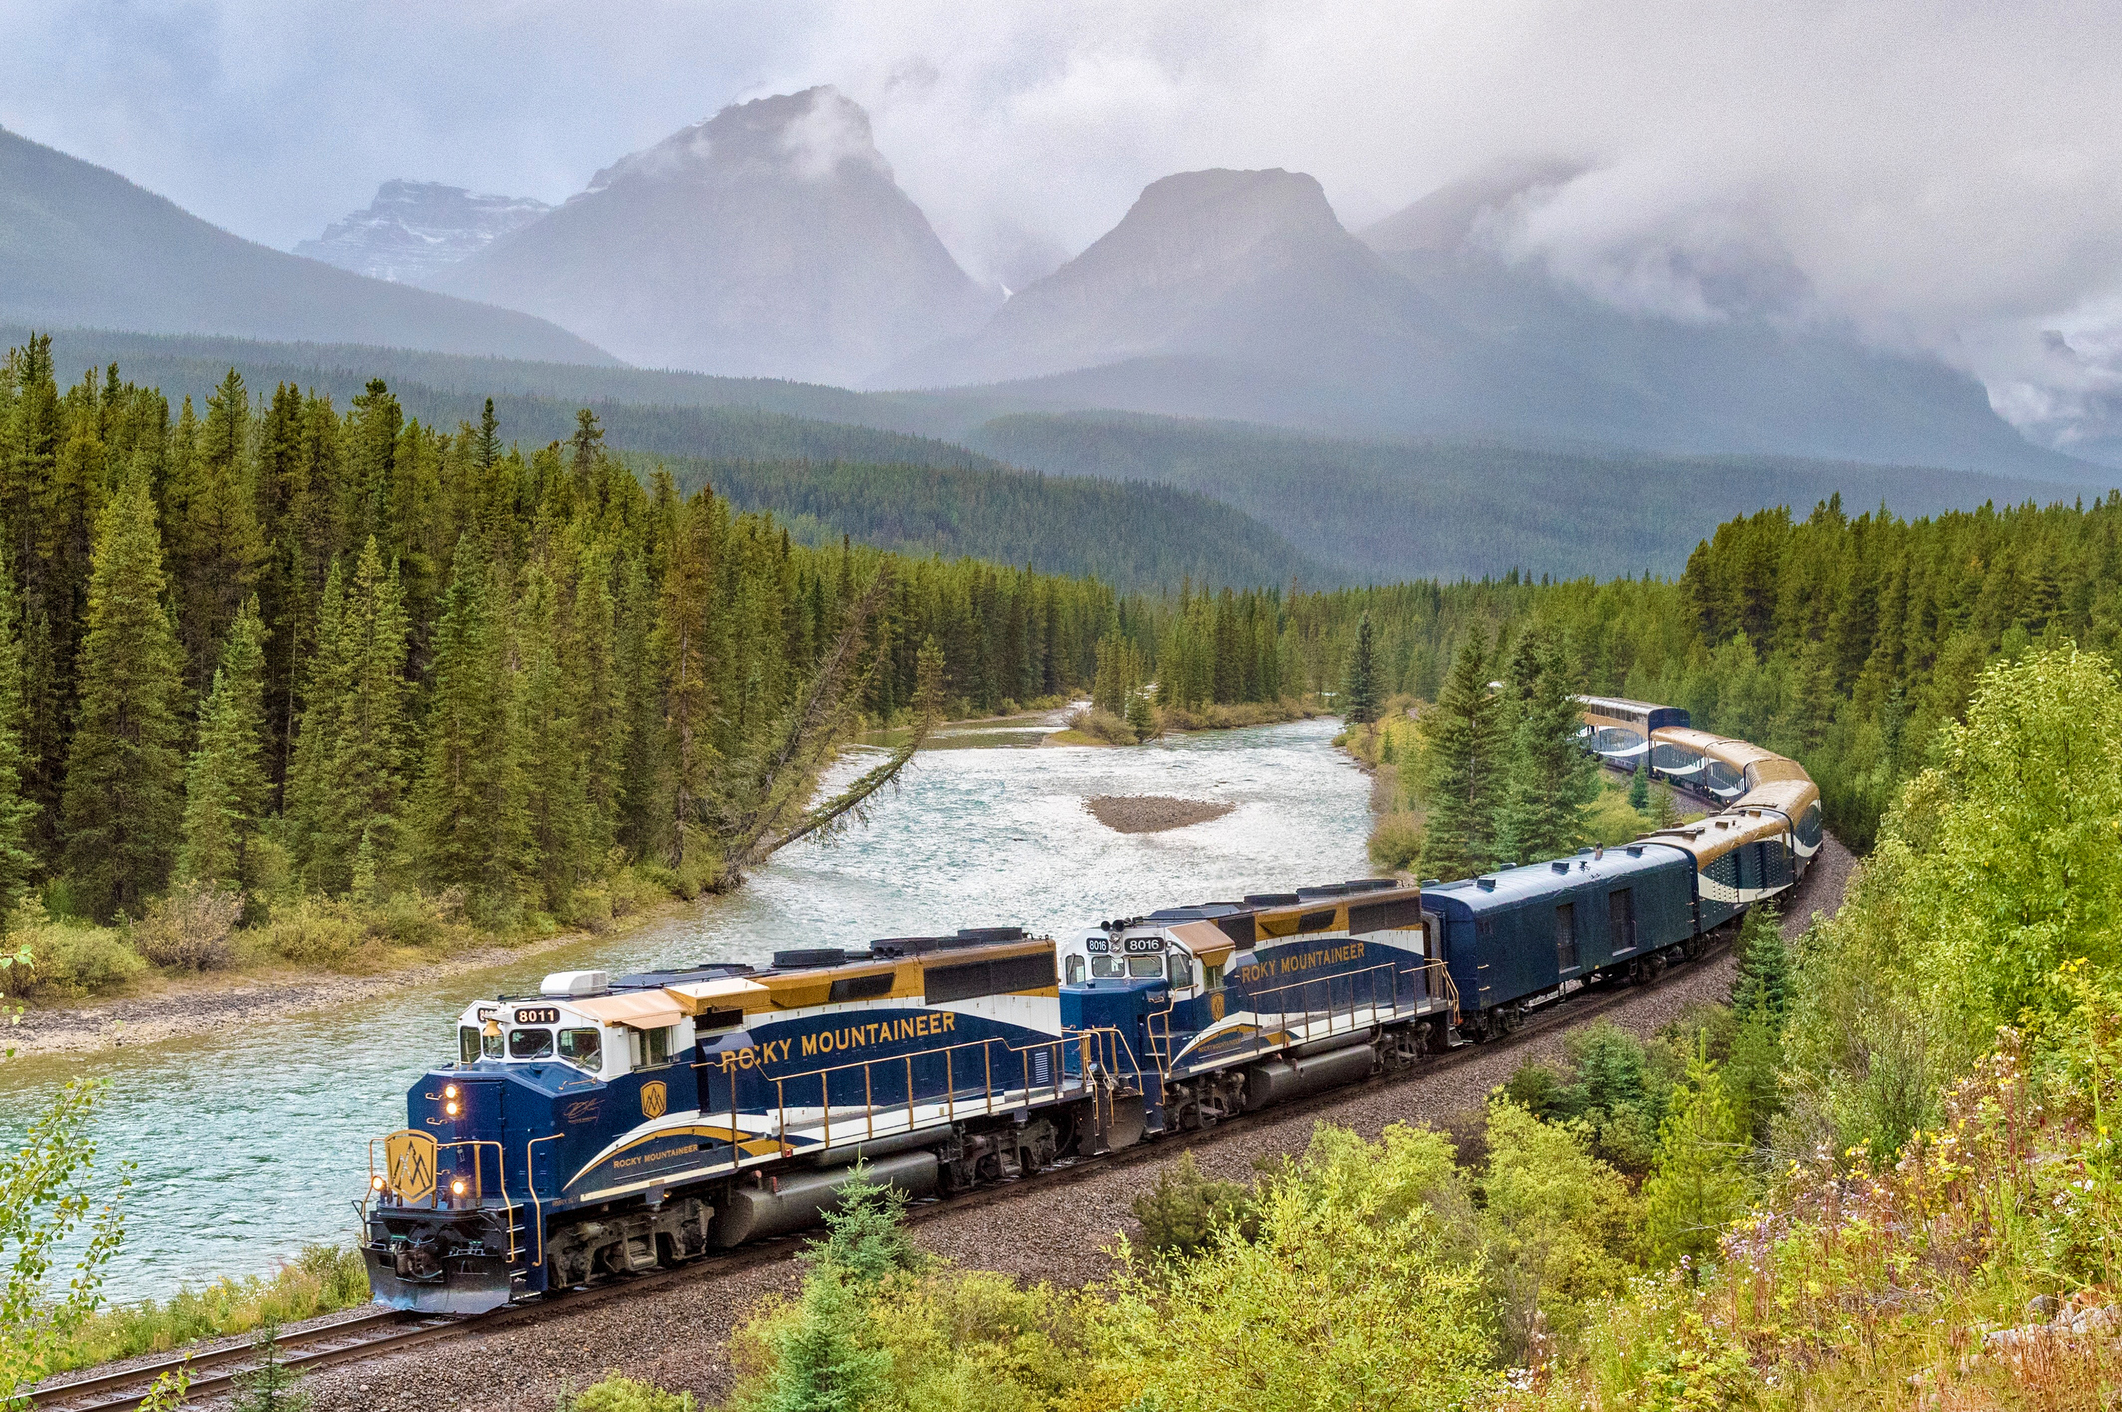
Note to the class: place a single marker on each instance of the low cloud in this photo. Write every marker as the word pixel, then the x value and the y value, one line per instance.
pixel 1939 177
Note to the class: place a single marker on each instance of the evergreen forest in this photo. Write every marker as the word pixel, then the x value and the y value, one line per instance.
pixel 274 645
pixel 1847 642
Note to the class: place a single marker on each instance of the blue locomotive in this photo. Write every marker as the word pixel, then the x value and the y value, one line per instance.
pixel 606 1125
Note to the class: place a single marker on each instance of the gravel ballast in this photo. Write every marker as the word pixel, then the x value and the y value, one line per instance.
pixel 678 1335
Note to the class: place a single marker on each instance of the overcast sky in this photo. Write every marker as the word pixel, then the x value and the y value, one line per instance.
pixel 1941 175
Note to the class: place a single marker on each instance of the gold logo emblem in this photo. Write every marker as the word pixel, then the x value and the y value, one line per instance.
pixel 410 1158
pixel 1215 1006
pixel 654 1099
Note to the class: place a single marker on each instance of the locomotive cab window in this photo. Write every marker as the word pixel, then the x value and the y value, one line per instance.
pixel 650 1047
pixel 1107 968
pixel 583 1048
pixel 1144 968
pixel 468 1043
pixel 530 1044
pixel 1072 970
pixel 1181 970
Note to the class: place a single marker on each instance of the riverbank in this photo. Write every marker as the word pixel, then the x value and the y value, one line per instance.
pixel 1090 727
pixel 166 1006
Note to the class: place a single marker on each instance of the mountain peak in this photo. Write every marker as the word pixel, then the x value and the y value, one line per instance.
pixel 816 135
pixel 770 240
pixel 414 228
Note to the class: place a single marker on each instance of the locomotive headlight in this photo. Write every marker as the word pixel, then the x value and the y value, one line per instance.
pixel 375 1183
pixel 450 1092
pixel 456 1187
pixel 450 1107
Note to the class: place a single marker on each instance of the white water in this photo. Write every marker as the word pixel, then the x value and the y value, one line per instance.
pixel 251 1144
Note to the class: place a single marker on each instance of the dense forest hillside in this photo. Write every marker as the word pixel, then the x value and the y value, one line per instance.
pixel 1401 510
pixel 270 645
pixel 82 245
pixel 1129 534
pixel 1847 642
pixel 889 488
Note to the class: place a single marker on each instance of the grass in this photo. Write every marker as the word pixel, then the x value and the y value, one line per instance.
pixel 321 1279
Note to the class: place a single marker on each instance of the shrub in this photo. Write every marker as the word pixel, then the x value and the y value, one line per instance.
pixel 1396 842
pixel 623 1394
pixel 315 931
pixel 632 891
pixel 1180 1214
pixel 590 908
pixel 189 928
pixel 71 959
pixel 1103 726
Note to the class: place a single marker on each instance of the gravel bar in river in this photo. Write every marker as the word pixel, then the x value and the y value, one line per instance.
pixel 1153 813
pixel 678 1336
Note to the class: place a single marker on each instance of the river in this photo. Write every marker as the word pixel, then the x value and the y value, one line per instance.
pixel 251 1144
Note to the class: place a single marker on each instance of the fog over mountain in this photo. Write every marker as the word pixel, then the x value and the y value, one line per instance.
pixel 83 246
pixel 770 240
pixel 1239 294
pixel 415 228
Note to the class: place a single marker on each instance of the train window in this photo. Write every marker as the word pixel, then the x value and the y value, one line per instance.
pixel 530 1044
pixel 1674 759
pixel 490 1042
pixel 650 1047
pixel 1072 970
pixel 468 1043
pixel 1181 970
pixel 1107 968
pixel 1212 978
pixel 1566 937
pixel 1621 916
pixel 1142 968
pixel 583 1048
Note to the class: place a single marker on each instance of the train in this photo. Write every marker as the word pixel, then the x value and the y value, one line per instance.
pixel 613 1124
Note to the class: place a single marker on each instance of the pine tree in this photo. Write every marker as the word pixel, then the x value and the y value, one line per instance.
pixel 1141 716
pixel 1697 1184
pixel 472 821
pixel 1763 984
pixel 1359 699
pixel 124 776
pixel 596 673
pixel 269 1385
pixel 546 739
pixel 1551 779
pixel 226 787
pixel 1639 788
pixel 1466 752
pixel 17 810
pixel 313 807
pixel 219 547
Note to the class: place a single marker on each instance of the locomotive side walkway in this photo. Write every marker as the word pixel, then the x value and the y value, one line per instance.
pixel 1059 1231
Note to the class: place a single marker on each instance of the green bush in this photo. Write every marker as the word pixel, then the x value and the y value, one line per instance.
pixel 1180 1214
pixel 314 931
pixel 70 959
pixel 590 908
pixel 623 1394
pixel 1396 842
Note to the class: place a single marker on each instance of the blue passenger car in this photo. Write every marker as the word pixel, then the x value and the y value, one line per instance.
pixel 1526 935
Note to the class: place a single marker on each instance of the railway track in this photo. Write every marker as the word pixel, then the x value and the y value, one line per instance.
pixel 375 1334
